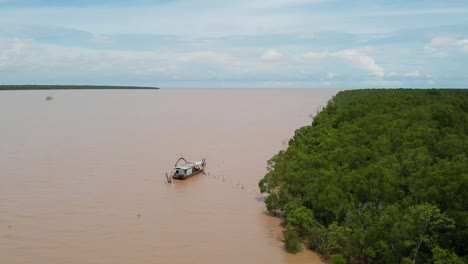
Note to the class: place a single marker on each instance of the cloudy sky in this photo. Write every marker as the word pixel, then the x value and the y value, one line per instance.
pixel 242 43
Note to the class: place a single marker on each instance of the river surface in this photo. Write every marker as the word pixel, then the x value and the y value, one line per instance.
pixel 82 175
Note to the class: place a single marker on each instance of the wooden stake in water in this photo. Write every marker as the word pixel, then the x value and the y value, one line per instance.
pixel 168 178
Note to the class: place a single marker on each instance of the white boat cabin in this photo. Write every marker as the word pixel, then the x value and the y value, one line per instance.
pixel 188 169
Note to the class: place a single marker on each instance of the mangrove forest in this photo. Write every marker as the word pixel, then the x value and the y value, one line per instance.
pixel 380 176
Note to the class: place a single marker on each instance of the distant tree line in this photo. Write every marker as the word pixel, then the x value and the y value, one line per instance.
pixel 380 176
pixel 69 87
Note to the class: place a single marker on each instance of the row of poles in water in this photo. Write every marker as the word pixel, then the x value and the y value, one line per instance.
pixel 237 184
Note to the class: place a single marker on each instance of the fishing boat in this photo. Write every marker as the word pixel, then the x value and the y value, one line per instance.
pixel 184 169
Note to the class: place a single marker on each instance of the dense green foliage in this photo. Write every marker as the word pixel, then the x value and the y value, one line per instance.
pixel 381 176
pixel 338 259
pixel 292 241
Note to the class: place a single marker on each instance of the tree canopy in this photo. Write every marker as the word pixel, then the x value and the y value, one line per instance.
pixel 380 176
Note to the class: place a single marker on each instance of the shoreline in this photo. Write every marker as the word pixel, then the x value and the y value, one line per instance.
pixel 71 87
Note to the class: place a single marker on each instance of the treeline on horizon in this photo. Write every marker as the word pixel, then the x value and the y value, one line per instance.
pixel 381 176
pixel 70 87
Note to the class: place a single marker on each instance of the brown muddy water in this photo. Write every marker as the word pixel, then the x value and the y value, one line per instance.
pixel 82 176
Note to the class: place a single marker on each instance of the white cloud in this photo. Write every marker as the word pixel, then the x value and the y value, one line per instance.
pixel 330 75
pixel 416 73
pixel 442 42
pixel 356 57
pixel 36 61
pixel 205 18
pixel 439 45
pixel 100 39
pixel 362 60
pixel 463 44
pixel 392 74
pixel 272 56
pixel 28 58
pixel 418 11
pixel 10 51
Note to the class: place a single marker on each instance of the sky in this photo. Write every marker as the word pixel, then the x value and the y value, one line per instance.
pixel 236 44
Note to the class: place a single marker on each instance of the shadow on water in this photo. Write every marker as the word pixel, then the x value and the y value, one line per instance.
pixel 260 199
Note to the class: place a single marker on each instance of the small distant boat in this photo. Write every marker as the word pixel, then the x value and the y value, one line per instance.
pixel 187 169
pixel 49 98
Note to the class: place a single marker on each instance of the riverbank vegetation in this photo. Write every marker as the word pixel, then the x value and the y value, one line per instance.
pixel 381 176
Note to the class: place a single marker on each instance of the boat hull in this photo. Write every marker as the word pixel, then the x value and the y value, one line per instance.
pixel 184 177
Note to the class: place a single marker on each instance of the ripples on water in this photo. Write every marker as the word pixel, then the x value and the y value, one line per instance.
pixel 82 176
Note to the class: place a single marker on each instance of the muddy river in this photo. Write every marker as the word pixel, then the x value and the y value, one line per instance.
pixel 82 175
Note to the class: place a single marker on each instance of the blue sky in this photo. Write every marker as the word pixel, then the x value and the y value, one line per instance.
pixel 243 43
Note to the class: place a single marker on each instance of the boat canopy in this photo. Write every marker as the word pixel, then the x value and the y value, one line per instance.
pixel 183 167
